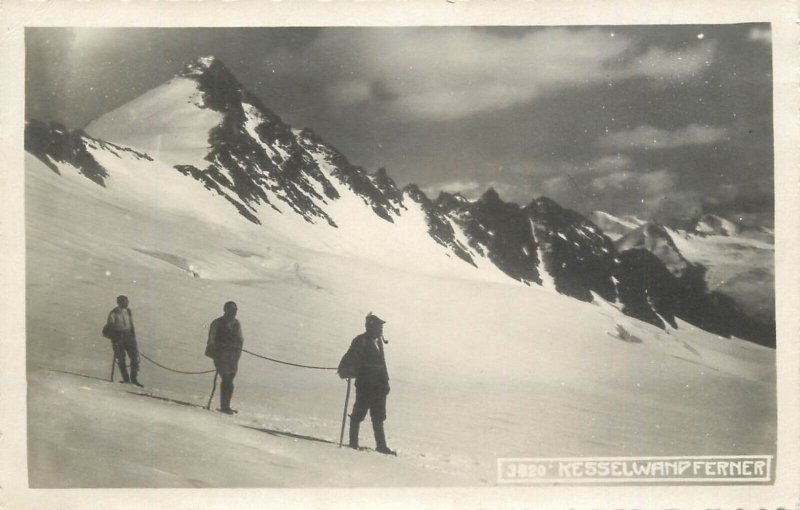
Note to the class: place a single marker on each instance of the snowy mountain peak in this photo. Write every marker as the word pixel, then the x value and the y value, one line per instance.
pixel 491 196
pixel 415 193
pixel 613 226
pixel 201 65
pixel 451 201
pixel 54 144
pixel 633 219
pixel 206 61
pixel 206 125
pixel 655 239
pixel 711 224
pixel 630 222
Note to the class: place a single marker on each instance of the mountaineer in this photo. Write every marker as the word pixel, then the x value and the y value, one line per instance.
pixel 224 346
pixel 123 339
pixel 366 362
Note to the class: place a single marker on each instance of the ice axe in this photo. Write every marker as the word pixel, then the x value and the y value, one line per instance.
pixel 344 414
pixel 213 389
pixel 113 365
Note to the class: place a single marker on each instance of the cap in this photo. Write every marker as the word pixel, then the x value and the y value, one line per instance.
pixel 374 319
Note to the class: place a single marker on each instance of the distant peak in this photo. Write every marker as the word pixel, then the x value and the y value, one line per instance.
pixel 456 197
pixel 630 222
pixel 206 61
pixel 603 214
pixel 308 132
pixel 451 201
pixel 414 190
pixel 490 195
pixel 544 203
pixel 201 65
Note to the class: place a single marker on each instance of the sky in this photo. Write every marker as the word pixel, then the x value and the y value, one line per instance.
pixel 657 121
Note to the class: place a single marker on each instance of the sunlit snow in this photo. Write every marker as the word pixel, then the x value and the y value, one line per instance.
pixel 481 366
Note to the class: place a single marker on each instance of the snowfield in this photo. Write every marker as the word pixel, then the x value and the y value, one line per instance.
pixel 178 138
pixel 739 262
pixel 738 266
pixel 481 366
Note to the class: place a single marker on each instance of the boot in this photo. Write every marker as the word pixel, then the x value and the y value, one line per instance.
pixel 134 373
pixel 230 396
pixel 123 371
pixel 225 394
pixel 354 425
pixel 380 439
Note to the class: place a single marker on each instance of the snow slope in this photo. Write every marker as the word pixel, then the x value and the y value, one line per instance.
pixel 481 366
pixel 613 226
pixel 711 224
pixel 208 126
pixel 655 239
pixel 168 122
pixel 739 262
pixel 739 266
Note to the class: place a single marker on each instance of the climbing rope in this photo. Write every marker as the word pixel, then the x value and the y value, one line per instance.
pixel 286 362
pixel 174 370
pixel 187 372
pixel 216 373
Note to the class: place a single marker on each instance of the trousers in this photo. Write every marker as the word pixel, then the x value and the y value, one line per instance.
pixel 125 344
pixel 370 399
pixel 227 364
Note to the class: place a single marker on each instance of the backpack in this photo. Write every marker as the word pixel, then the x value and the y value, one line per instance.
pixel 348 369
pixel 108 331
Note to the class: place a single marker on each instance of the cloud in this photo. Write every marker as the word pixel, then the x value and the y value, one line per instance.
pixel 598 166
pixel 649 184
pixel 759 34
pixel 648 137
pixel 653 184
pixel 650 194
pixel 466 187
pixel 351 92
pixel 617 181
pixel 672 65
pixel 520 194
pixel 656 194
pixel 657 183
pixel 359 91
pixel 750 202
pixel 445 74
pixel 557 186
pixel 611 163
pixel 675 205
pixel 49 71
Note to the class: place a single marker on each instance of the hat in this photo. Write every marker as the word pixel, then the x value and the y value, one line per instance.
pixel 374 319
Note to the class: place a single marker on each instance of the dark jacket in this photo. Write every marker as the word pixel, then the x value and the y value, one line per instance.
pixel 367 355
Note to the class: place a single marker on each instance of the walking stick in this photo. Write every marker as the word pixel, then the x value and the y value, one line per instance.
pixel 113 366
pixel 344 414
pixel 213 389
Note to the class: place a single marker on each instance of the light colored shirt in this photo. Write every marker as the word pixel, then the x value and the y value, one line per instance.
pixel 120 318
